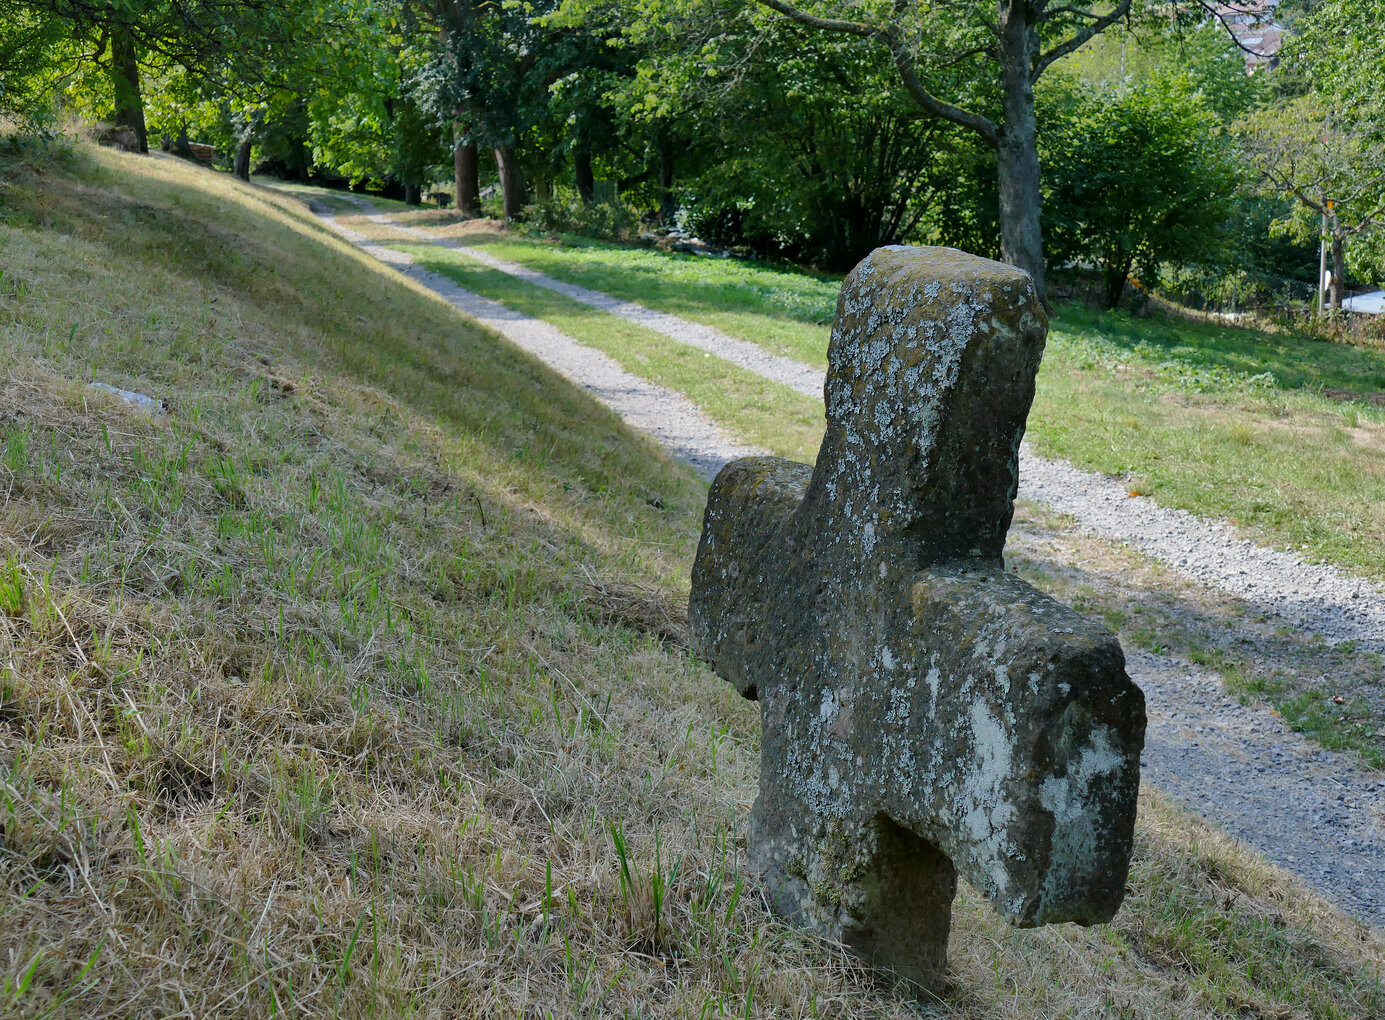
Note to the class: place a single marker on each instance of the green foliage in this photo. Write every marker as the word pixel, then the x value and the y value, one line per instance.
pixel 1259 247
pixel 565 213
pixel 770 136
pixel 29 50
pixel 822 157
pixel 1138 176
pixel 1212 65
pixel 1336 48
pixel 1326 162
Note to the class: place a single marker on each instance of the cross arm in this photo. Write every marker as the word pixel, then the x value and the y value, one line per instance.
pixel 742 555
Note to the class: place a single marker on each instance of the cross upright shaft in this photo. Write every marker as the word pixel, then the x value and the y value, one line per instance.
pixel 924 712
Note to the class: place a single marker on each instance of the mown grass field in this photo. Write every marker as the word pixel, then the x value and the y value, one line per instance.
pixel 355 684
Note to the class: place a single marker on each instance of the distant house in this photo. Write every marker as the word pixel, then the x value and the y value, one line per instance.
pixel 1252 24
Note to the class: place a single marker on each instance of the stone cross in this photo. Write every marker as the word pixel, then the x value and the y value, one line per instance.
pixel 924 712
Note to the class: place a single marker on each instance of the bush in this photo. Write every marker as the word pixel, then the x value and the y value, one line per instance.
pixel 1138 175
pixel 1226 289
pixel 566 214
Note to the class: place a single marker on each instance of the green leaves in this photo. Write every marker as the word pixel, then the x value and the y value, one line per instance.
pixel 1139 174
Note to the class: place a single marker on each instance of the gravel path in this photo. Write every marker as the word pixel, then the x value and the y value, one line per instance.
pixel 669 417
pixel 1318 599
pixel 1315 598
pixel 793 374
pixel 1313 812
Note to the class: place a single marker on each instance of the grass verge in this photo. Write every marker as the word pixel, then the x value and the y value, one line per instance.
pixel 353 685
pixel 786 312
pixel 753 409
pixel 756 411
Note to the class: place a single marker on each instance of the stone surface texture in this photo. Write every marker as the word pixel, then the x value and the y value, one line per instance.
pixel 924 713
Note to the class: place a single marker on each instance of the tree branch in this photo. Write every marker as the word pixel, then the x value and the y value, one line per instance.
pixel 1100 23
pixel 1211 9
pixel 904 64
pixel 822 24
pixel 891 36
pixel 1066 9
pixel 1367 221
pixel 1318 207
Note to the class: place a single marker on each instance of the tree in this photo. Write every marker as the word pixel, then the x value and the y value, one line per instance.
pixel 819 158
pixel 1336 48
pixel 1015 42
pixel 1331 166
pixel 1203 55
pixel 30 55
pixel 1139 175
pixel 225 40
pixel 483 78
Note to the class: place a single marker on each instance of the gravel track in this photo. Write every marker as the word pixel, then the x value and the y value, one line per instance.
pixel 673 420
pixel 793 374
pixel 1315 813
pixel 1317 598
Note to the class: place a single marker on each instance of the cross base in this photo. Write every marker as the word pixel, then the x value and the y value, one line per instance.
pixel 872 885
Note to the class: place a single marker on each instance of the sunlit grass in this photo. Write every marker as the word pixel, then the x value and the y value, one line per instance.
pixel 753 409
pixel 356 684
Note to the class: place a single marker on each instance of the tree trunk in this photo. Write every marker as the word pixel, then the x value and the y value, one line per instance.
pixel 1115 277
pixel 582 169
pixel 1017 157
pixel 1339 265
pixel 466 182
pixel 511 180
pixel 413 194
pixel 129 102
pixel 300 159
pixel 667 158
pixel 242 165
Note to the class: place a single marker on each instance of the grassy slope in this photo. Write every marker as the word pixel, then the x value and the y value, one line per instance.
pixel 346 686
pixel 760 412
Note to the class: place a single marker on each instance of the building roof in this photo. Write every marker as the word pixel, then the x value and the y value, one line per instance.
pixel 1252 24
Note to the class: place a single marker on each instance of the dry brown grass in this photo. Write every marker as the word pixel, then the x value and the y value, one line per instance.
pixel 364 696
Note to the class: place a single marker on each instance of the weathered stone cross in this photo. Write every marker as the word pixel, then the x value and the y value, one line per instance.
pixel 924 712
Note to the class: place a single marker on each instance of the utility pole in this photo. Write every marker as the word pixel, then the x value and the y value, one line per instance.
pixel 1322 237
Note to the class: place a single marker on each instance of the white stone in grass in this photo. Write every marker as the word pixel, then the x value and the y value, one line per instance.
pixel 141 403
